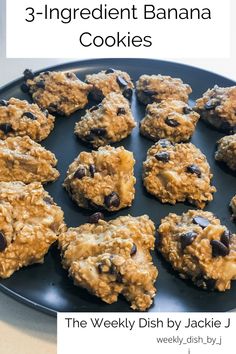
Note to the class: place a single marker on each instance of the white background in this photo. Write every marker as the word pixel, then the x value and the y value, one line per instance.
pixel 171 38
pixel 26 331
pixel 139 340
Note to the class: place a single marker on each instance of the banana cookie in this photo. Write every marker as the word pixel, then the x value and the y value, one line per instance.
pixel 109 122
pixel 102 179
pixel 156 88
pixel 22 159
pixel 199 248
pixel 233 207
pixel 58 92
pixel 170 119
pixel 20 118
pixel 108 81
pixel 112 258
pixel 30 223
pixel 177 173
pixel 226 151
pixel 218 108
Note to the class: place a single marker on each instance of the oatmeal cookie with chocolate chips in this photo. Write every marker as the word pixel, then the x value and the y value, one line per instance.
pixel 199 248
pixel 233 207
pixel 177 173
pixel 109 122
pixel 218 108
pixel 170 119
pixel 30 223
pixel 112 258
pixel 22 159
pixel 226 151
pixel 58 92
pixel 20 118
pixel 109 81
pixel 102 179
pixel 156 88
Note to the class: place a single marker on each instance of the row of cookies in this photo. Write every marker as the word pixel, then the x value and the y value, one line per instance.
pixel 167 115
pixel 104 178
pixel 63 93
pixel 110 258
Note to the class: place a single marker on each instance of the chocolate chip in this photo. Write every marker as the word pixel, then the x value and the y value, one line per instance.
pixel 172 122
pixel 128 93
pixel 164 143
pixel 46 73
pixel 219 249
pixel 199 220
pixel 121 111
pixel 211 105
pixel 29 115
pixel 53 106
pixel 6 128
pixel 112 270
pixel 133 250
pixel 225 238
pixel 112 200
pixel 187 238
pixel 98 131
pixel 208 284
pixel 149 92
pixel 100 270
pixel 80 173
pixel 28 74
pixel 92 170
pixel 3 103
pixel 48 200
pixel 110 71
pixel 3 242
pixel 163 156
pixel 94 218
pixel 46 113
pixel 97 94
pixel 194 170
pixel 121 81
pixel 40 84
pixel 187 110
pixel 95 108
pixel 69 75
pixel 89 137
pixel 24 87
pixel 119 278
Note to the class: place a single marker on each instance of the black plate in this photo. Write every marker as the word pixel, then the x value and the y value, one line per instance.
pixel 47 287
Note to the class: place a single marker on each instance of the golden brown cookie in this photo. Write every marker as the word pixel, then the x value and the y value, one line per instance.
pixel 218 108
pixel 156 88
pixel 58 92
pixel 112 258
pixel 177 173
pixel 22 159
pixel 199 248
pixel 102 179
pixel 30 223
pixel 108 81
pixel 109 122
pixel 171 119
pixel 226 151
pixel 20 118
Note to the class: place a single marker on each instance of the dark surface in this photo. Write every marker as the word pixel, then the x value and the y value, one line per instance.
pixel 47 287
